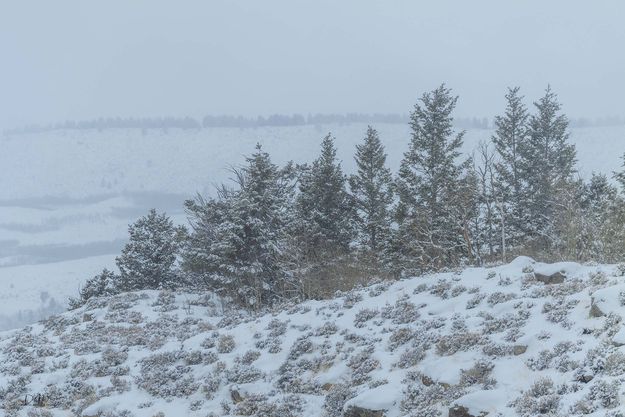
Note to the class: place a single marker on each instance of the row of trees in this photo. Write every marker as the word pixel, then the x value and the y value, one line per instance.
pixel 304 231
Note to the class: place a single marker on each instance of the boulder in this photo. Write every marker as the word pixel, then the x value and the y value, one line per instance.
pixel 595 311
pixel 236 397
pixel 460 411
pixel 518 350
pixel 555 278
pixel 354 411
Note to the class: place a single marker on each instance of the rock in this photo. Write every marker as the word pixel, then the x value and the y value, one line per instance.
pixel 585 378
pixel 354 411
pixel 426 380
pixel 555 278
pixel 327 386
pixel 236 397
pixel 460 411
pixel 595 311
pixel 518 350
pixel 87 317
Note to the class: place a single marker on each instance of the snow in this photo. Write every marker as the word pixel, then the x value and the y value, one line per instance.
pixel 308 349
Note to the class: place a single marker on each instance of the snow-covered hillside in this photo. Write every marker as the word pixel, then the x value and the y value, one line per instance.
pixel 504 341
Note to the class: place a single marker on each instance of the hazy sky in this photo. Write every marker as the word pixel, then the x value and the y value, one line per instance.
pixel 83 59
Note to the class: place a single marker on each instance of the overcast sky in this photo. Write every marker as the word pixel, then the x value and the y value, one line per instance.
pixel 84 59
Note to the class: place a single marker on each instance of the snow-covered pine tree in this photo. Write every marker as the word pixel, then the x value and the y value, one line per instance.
pixel 510 135
pixel 372 193
pixel 148 259
pixel 324 209
pixel 547 162
pixel 239 240
pixel 103 284
pixel 433 229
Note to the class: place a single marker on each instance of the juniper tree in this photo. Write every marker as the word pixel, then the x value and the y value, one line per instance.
pixel 547 162
pixel 372 194
pixel 148 259
pixel 433 231
pixel 511 132
pixel 239 239
pixel 324 209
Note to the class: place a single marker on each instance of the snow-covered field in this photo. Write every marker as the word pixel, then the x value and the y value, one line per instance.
pixel 67 196
pixel 496 341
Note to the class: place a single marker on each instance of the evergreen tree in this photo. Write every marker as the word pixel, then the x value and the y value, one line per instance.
pixel 511 133
pixel 433 228
pixel 104 284
pixel 239 239
pixel 324 209
pixel 372 195
pixel 147 260
pixel 547 163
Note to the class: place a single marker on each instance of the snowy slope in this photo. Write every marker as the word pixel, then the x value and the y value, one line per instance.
pixel 494 341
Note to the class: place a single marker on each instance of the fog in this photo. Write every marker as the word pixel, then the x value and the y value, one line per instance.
pixel 79 60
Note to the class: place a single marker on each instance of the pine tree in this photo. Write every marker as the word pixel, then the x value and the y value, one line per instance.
pixel 147 260
pixel 239 239
pixel 511 132
pixel 324 209
pixel 547 163
pixel 372 194
pixel 104 284
pixel 433 226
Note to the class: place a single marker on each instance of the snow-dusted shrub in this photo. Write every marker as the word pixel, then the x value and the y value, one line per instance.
pixel 558 311
pixel 114 357
pixel 225 343
pixel 163 376
pixel 402 312
pixel 497 350
pixel 243 374
pixel 540 399
pixel 478 374
pixel 456 342
pixel 276 328
pixel 249 357
pixel 351 299
pixel 361 365
pixel 301 346
pixel 378 289
pixel 492 324
pixel 210 385
pixel 400 336
pixel 441 289
pixel 615 364
pixel 411 357
pixel 499 297
pixel 457 290
pixel 259 405
pixel 475 300
pixel 39 412
pixel 420 400
pixel 336 398
pixel 420 288
pixel 612 324
pixel 209 342
pixel 363 316
pixel 328 328
pixel 605 393
pixel 504 281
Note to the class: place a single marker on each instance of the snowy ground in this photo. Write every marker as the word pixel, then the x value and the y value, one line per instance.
pixel 69 195
pixel 496 341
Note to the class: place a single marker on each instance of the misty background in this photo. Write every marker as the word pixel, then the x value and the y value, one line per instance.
pixel 68 195
pixel 81 60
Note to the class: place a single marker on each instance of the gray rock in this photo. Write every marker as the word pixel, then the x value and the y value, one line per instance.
pixel 354 411
pixel 595 311
pixel 518 350
pixel 555 278
pixel 460 411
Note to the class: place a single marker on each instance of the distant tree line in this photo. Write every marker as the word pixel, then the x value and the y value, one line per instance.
pixel 305 231
pixel 276 120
